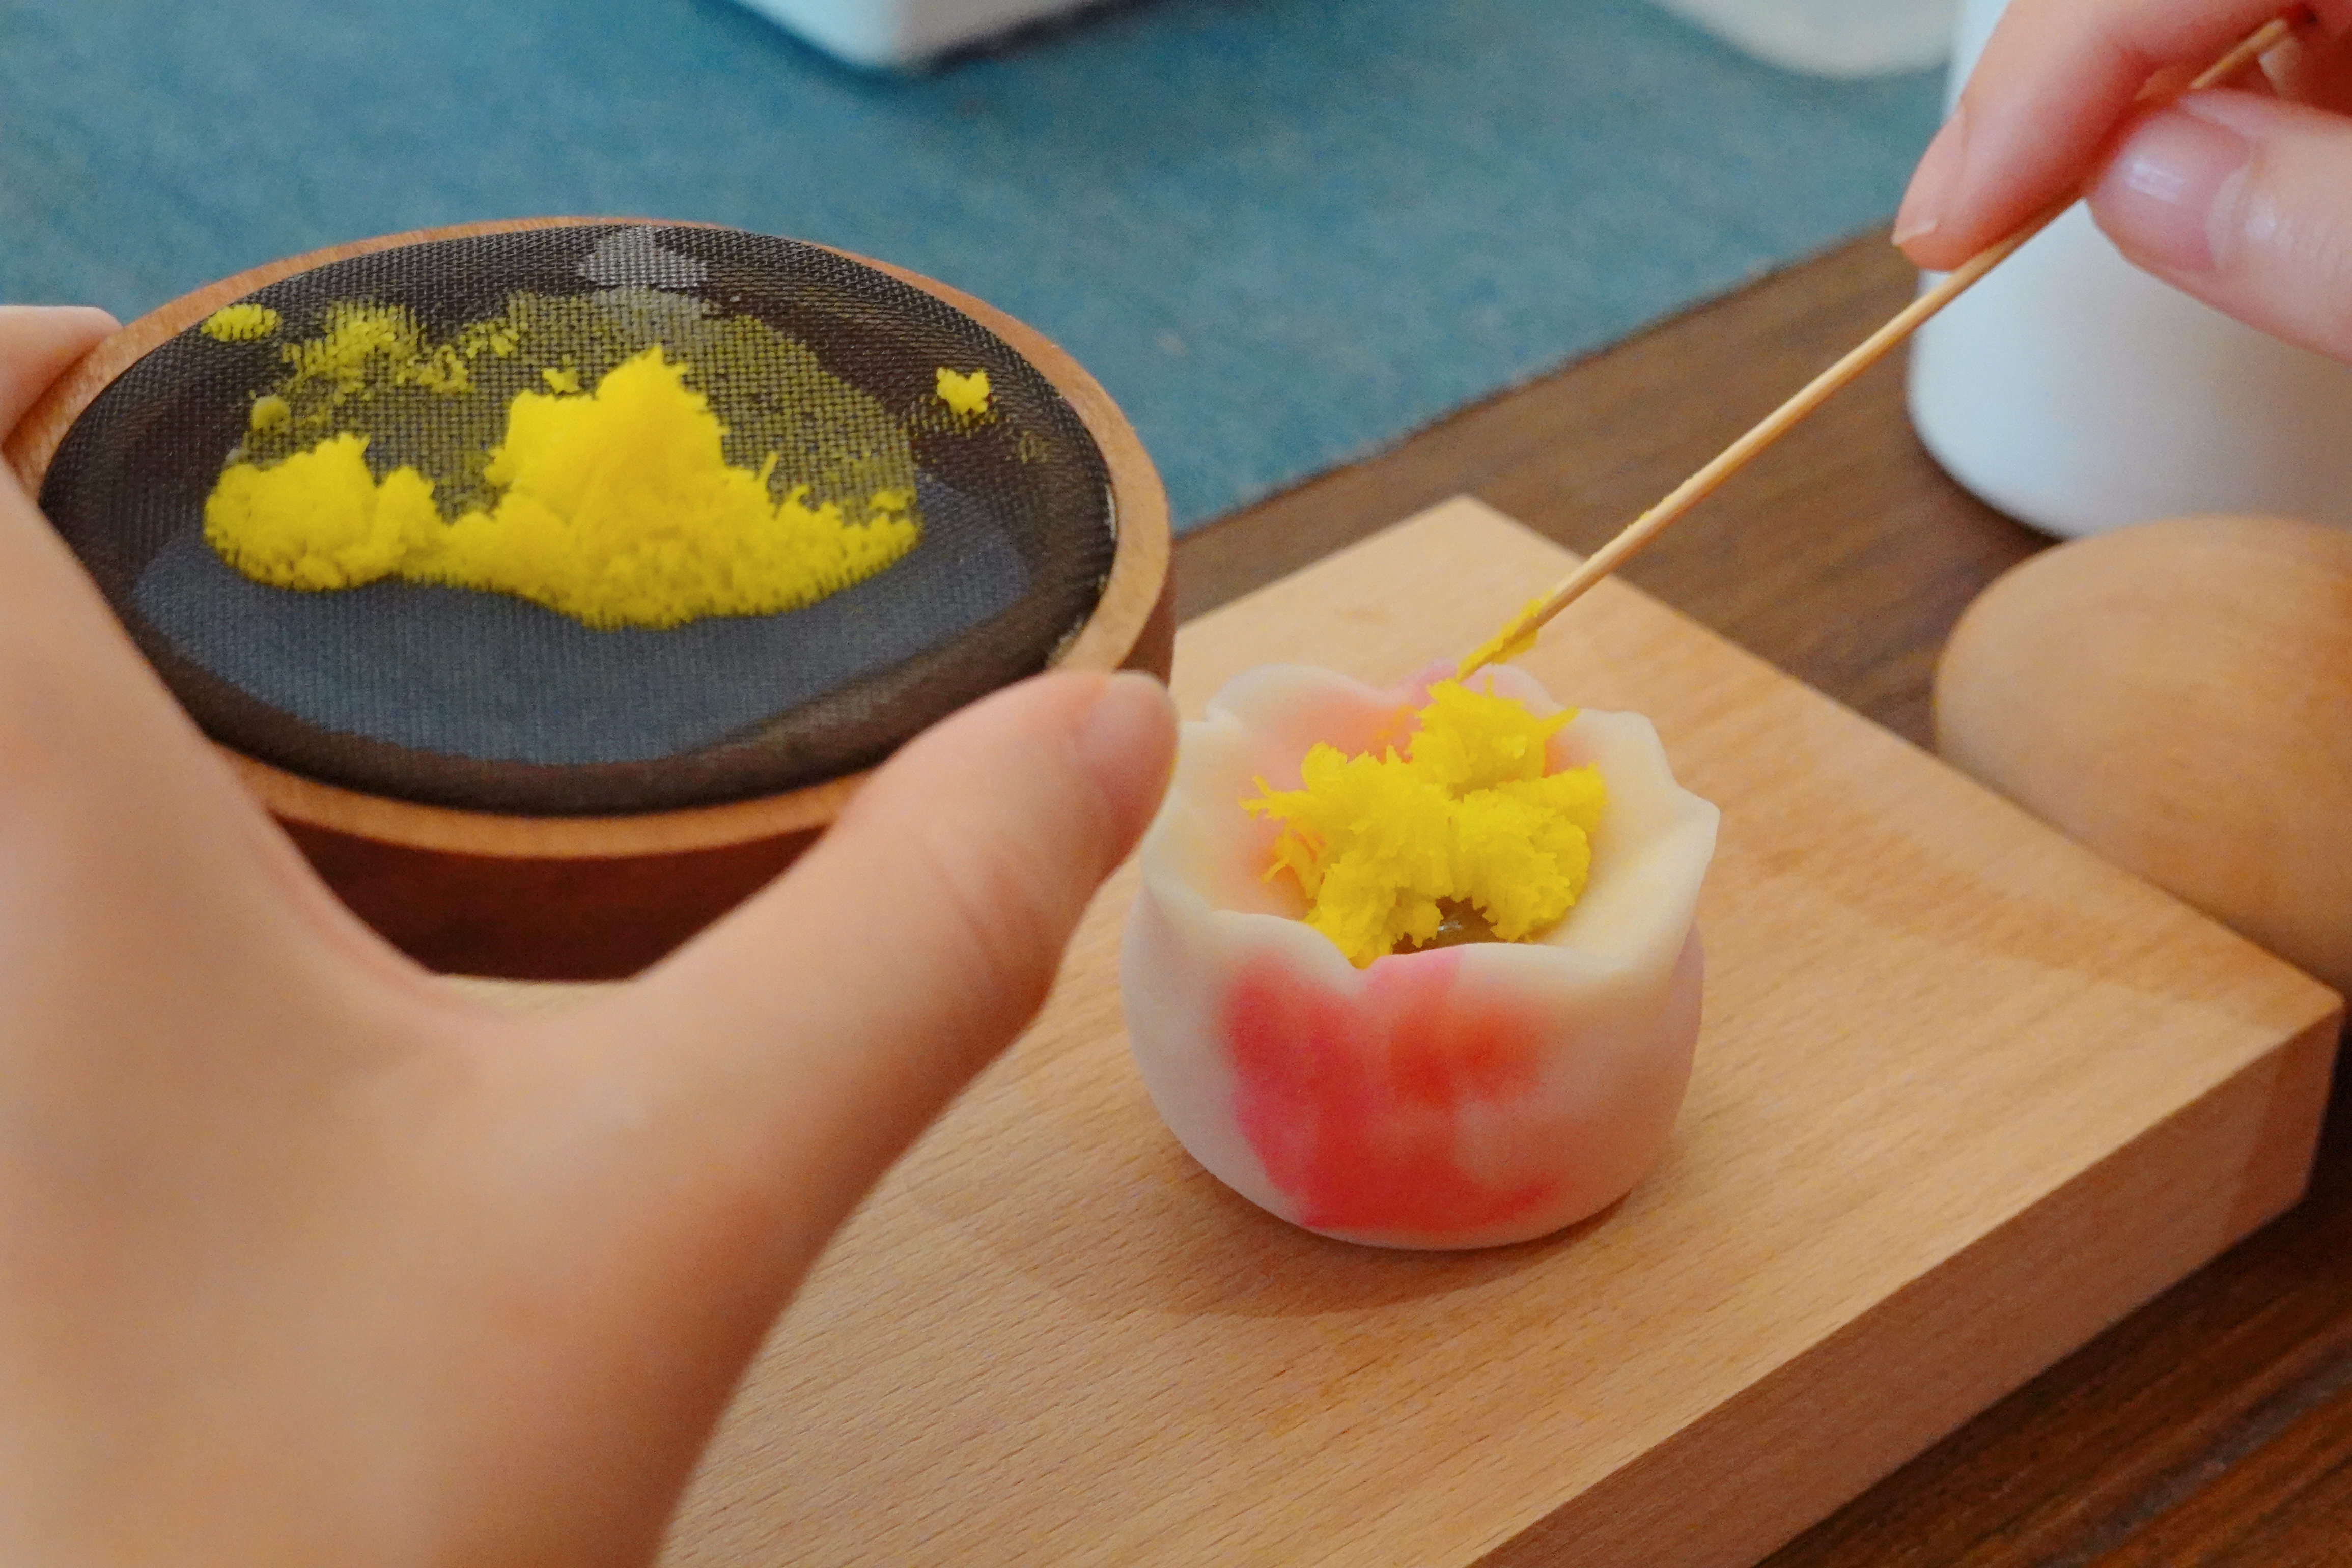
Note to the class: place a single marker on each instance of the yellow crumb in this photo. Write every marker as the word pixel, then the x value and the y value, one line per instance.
pixel 319 519
pixel 564 379
pixel 966 396
pixel 270 412
pixel 617 508
pixel 1467 815
pixel 240 324
pixel 1513 640
pixel 365 345
pixel 498 338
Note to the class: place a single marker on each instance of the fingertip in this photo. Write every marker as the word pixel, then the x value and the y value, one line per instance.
pixel 88 324
pixel 1934 185
pixel 1127 745
pixel 1928 250
pixel 836 1011
pixel 2051 87
pixel 973 851
pixel 2161 193
pixel 37 342
pixel 2240 201
pixel 1114 735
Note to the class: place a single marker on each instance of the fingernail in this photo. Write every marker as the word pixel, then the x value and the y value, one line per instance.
pixel 1935 182
pixel 2169 195
pixel 1126 744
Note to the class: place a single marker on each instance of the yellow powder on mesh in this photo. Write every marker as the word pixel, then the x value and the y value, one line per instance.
pixel 440 406
pixel 966 396
pixel 365 346
pixel 616 506
pixel 1468 815
pixel 498 338
pixel 319 519
pixel 240 324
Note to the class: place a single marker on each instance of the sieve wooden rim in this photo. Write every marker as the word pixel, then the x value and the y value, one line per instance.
pixel 1139 574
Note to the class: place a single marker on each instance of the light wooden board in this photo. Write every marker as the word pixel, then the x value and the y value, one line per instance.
pixel 1965 1095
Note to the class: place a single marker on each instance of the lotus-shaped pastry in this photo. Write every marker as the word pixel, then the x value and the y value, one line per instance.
pixel 1453 1097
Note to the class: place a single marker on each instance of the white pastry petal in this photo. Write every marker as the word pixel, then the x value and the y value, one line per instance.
pixel 1463 1097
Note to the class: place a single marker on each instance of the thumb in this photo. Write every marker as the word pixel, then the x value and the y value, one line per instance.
pixel 801 1043
pixel 2244 202
pixel 37 343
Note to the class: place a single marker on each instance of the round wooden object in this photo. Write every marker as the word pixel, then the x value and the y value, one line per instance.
pixel 593 897
pixel 2178 696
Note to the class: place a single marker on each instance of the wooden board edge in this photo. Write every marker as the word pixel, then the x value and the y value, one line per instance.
pixel 1766 1466
pixel 1471 510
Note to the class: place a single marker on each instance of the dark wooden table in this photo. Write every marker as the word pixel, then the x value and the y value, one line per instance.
pixel 2213 1426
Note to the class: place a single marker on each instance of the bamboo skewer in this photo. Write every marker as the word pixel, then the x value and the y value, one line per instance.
pixel 1520 633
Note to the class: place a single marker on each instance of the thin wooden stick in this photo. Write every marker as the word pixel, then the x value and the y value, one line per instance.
pixel 1520 633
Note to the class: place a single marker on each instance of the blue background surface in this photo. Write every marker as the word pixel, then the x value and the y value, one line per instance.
pixel 1283 233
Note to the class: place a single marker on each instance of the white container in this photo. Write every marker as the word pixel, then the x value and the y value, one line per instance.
pixel 1829 37
pixel 2077 394
pixel 1822 37
pixel 896 34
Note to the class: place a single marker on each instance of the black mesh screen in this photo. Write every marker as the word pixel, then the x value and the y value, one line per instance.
pixel 485 702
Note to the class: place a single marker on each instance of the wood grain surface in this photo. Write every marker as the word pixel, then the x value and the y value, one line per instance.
pixel 1966 1094
pixel 2210 1427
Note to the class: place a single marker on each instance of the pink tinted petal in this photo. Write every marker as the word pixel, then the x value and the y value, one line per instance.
pixel 1356 1106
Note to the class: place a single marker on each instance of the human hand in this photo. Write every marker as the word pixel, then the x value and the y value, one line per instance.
pixel 2239 195
pixel 307 1258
